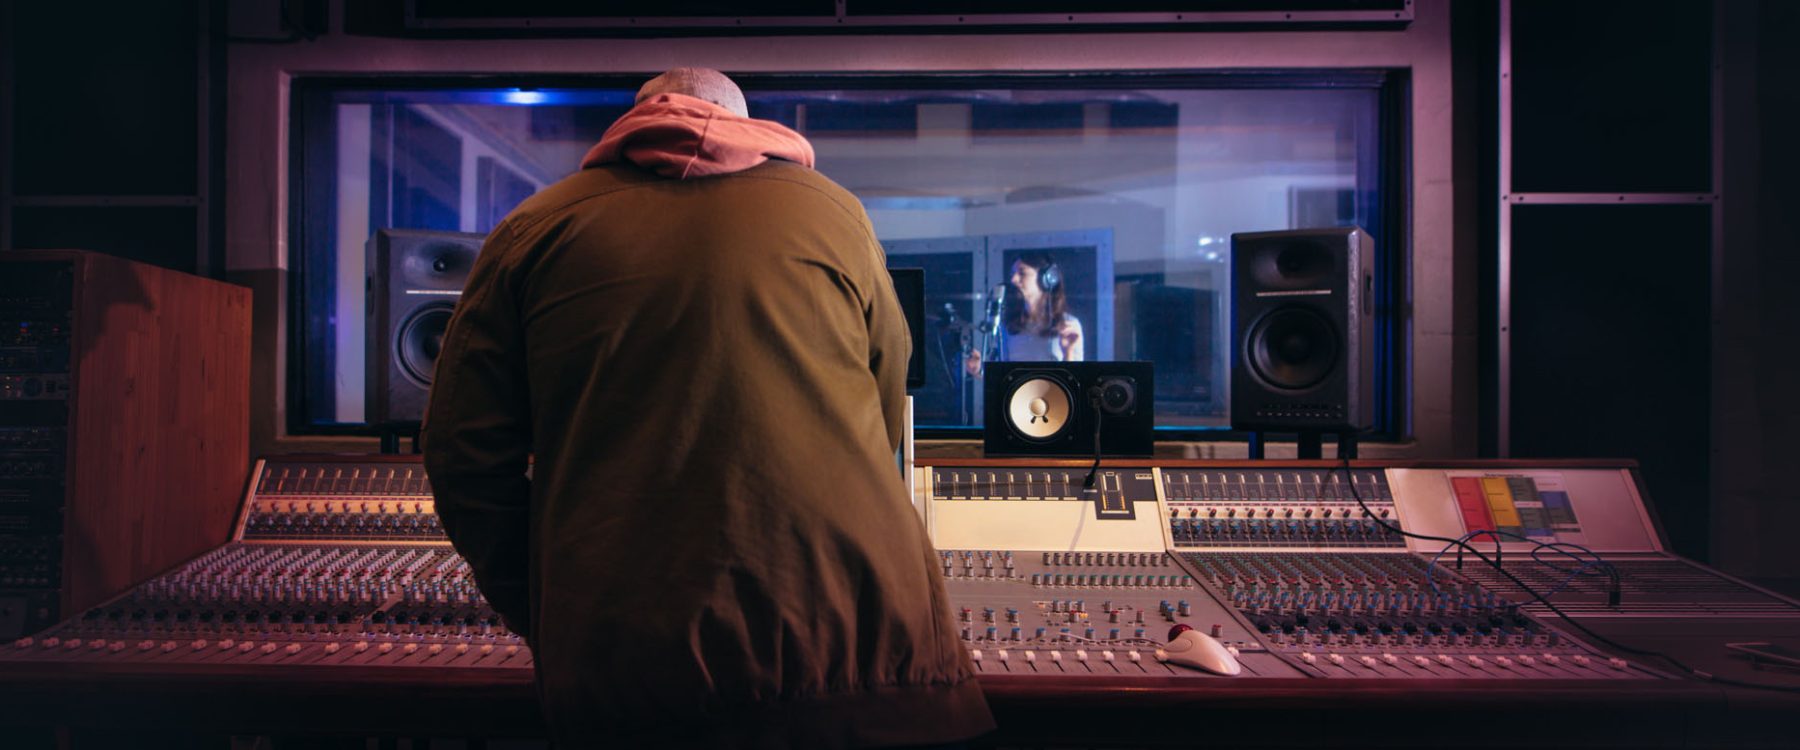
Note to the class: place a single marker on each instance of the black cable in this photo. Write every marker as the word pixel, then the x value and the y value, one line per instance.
pixel 1462 545
pixel 1095 469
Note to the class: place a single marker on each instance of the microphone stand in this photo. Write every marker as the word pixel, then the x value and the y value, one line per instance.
pixel 990 329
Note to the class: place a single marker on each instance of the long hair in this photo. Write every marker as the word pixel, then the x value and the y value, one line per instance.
pixel 1051 309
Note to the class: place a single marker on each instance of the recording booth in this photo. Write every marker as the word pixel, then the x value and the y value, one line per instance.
pixel 1349 374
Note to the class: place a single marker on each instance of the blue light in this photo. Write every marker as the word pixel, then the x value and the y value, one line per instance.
pixel 520 96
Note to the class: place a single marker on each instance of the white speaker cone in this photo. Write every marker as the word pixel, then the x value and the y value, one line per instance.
pixel 1038 408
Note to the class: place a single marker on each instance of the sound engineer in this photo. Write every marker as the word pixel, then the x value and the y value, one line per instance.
pixel 696 342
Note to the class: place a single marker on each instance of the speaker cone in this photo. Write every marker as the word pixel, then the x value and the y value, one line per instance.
pixel 1293 264
pixel 1292 348
pixel 420 338
pixel 1038 408
pixel 436 265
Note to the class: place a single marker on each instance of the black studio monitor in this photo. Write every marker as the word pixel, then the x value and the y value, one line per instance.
pixel 1052 408
pixel 415 279
pixel 1303 330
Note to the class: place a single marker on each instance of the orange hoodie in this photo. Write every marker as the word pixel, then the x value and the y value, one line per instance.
pixel 679 136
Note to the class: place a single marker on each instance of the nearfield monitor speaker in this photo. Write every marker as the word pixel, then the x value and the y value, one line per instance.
pixel 415 279
pixel 1052 408
pixel 1303 329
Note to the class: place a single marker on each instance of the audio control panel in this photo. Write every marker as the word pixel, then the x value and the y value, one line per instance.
pixel 254 604
pixel 1271 572
pixel 1391 614
pixel 1305 508
pixel 335 562
pixel 348 501
pixel 1045 613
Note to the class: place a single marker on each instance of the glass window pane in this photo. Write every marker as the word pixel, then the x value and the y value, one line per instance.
pixel 1130 194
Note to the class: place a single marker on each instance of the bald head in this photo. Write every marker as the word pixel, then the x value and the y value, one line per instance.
pixel 700 83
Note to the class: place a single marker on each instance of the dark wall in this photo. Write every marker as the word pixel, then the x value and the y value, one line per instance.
pixel 1758 415
pixel 114 130
pixel 1611 334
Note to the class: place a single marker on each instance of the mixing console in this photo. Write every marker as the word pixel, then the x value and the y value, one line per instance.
pixel 1388 615
pixel 1649 587
pixel 1292 508
pixel 335 562
pixel 324 501
pixel 340 561
pixel 1086 613
pixel 409 606
pixel 1329 586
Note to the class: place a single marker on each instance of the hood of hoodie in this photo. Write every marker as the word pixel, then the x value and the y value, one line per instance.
pixel 679 136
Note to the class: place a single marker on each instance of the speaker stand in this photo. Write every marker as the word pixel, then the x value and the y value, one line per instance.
pixel 1308 445
pixel 391 434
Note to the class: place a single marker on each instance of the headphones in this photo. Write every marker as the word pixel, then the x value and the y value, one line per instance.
pixel 1049 277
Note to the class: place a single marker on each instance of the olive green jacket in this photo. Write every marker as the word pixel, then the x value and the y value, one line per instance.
pixel 714 547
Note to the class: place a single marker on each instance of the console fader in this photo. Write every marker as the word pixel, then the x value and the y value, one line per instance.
pixel 334 563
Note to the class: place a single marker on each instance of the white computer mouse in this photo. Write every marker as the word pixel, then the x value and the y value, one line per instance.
pixel 1192 648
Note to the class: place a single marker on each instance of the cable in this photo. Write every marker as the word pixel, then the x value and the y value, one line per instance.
pixel 1613 594
pixel 1695 673
pixel 1095 469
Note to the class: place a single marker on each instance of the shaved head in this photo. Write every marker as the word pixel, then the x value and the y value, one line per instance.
pixel 700 83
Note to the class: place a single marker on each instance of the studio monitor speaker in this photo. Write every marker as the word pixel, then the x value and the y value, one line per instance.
pixel 1303 328
pixel 415 279
pixel 1051 408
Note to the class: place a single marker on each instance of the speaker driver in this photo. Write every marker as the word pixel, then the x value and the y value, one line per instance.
pixel 420 339
pixel 1038 409
pixel 1293 264
pixel 437 265
pixel 1293 348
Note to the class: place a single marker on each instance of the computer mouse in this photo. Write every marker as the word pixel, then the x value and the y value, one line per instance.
pixel 1192 648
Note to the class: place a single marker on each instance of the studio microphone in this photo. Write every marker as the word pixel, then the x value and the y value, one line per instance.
pixel 996 305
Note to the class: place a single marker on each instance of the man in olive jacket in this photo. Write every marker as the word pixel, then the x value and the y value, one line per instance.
pixel 696 342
